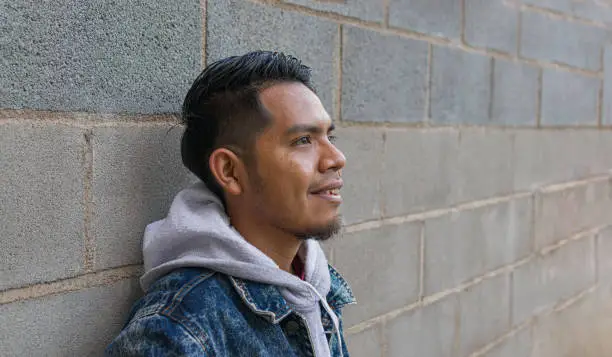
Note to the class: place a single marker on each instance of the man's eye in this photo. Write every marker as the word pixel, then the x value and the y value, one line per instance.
pixel 304 140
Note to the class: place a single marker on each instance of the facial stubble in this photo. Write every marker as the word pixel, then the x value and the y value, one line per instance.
pixel 322 233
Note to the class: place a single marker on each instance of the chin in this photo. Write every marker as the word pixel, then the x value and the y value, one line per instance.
pixel 323 231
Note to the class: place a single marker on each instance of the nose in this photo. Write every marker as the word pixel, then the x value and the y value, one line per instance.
pixel 331 158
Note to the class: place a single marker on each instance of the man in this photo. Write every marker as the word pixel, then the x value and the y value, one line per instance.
pixel 235 269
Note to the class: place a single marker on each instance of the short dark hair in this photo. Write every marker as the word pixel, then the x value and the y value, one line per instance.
pixel 222 108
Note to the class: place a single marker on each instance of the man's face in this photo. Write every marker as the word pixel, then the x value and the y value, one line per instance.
pixel 298 168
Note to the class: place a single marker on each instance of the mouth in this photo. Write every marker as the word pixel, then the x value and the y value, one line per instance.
pixel 330 192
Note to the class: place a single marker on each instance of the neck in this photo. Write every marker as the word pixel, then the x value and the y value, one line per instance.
pixel 280 246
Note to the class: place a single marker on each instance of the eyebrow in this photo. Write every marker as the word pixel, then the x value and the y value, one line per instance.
pixel 306 128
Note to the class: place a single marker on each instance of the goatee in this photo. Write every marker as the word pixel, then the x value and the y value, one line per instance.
pixel 322 233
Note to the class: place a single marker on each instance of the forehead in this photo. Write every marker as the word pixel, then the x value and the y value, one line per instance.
pixel 293 104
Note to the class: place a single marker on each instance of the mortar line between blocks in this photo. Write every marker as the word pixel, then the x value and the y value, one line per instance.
pixel 463 19
pixel 539 98
pixel 386 13
pixel 519 29
pixel 529 61
pixel 203 7
pixel 535 201
pixel 531 336
pixel 501 339
pixel 421 216
pixel 600 97
pixel 85 119
pixel 381 195
pixel 428 81
pixel 491 89
pixel 339 73
pixel 563 16
pixel 526 324
pixel 384 343
pixel 510 297
pixel 85 281
pixel 434 213
pixel 90 245
pixel 90 125
pixel 376 26
pixel 505 269
pixel 431 299
pixel 584 234
pixel 422 262
pixel 575 183
pixel 595 255
pixel 571 301
pixel 443 126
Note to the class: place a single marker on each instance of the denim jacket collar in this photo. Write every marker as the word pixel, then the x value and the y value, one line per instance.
pixel 266 300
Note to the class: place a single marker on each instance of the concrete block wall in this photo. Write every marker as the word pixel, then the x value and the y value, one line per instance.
pixel 478 197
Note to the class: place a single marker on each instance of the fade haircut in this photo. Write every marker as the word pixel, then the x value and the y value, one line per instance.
pixel 223 109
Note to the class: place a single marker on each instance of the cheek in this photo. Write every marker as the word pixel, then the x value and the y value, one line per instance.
pixel 300 171
pixel 295 168
pixel 287 177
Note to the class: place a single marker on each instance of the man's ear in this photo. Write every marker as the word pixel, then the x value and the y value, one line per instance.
pixel 227 168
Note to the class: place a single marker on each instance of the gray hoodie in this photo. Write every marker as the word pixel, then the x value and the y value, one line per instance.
pixel 197 233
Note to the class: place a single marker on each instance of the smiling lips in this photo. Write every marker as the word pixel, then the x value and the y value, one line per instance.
pixel 330 192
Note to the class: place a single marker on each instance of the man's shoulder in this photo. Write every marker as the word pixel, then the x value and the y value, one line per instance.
pixel 200 291
pixel 187 289
pixel 173 294
pixel 172 316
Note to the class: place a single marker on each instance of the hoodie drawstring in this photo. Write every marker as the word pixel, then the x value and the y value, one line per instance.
pixel 332 315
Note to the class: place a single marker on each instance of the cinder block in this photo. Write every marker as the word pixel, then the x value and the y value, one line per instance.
pixel 563 212
pixel 555 40
pixel 550 279
pixel 460 86
pixel 492 24
pixel 485 313
pixel 428 331
pixel 413 181
pixel 555 156
pixel 603 160
pixel 580 329
pixel 440 18
pixel 607 98
pixel 466 244
pixel 604 256
pixel 368 10
pixel 42 214
pixel 392 278
pixel 559 5
pixel 569 98
pixel 519 344
pixel 99 56
pixel 383 77
pixel 485 164
pixel 137 172
pixel 366 343
pixel 363 148
pixel 515 91
pixel 263 27
pixel 78 323
pixel 593 10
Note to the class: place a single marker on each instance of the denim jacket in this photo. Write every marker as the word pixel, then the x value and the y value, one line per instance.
pixel 199 312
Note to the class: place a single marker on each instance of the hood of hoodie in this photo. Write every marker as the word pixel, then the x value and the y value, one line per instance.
pixel 197 233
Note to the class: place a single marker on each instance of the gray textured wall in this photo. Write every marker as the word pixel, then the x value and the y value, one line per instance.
pixel 479 185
